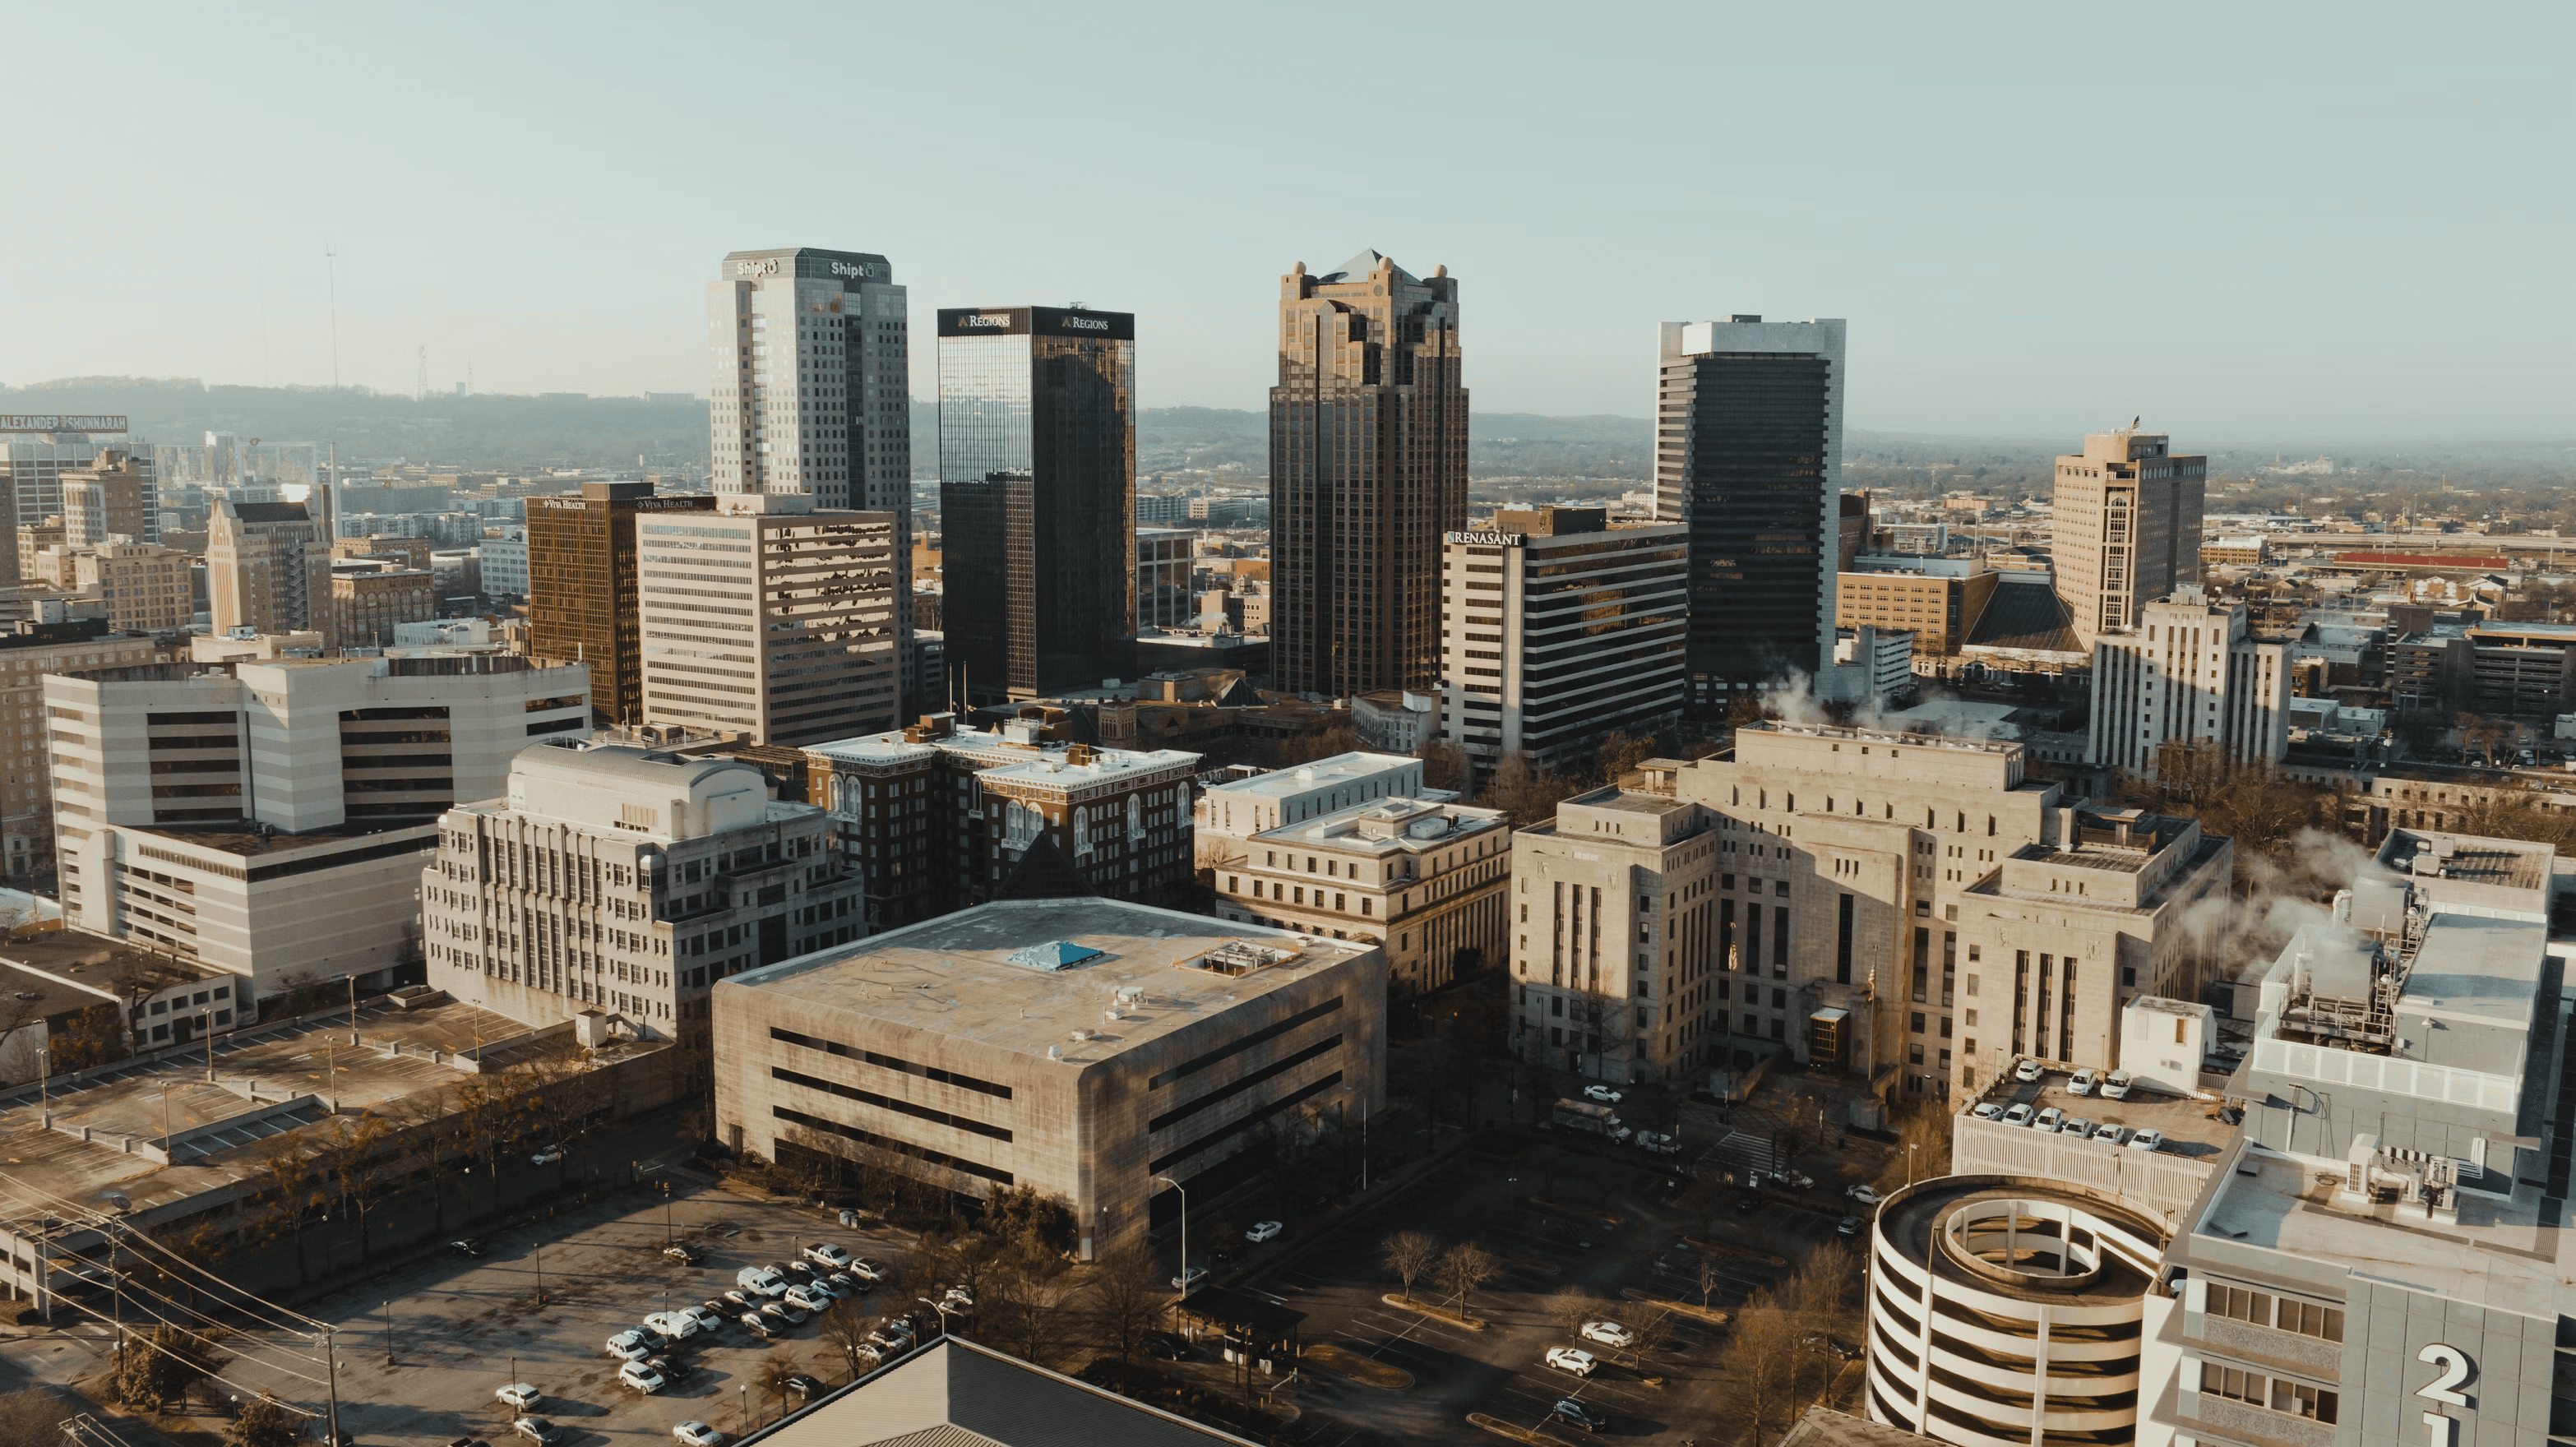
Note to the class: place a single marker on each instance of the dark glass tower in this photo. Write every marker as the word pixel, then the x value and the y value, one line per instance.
pixel 1748 453
pixel 1368 470
pixel 1037 499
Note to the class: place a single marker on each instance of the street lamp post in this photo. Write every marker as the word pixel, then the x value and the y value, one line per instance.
pixel 1910 1149
pixel 1185 1232
pixel 333 1358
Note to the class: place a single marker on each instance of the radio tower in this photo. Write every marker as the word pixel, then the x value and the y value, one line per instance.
pixel 420 388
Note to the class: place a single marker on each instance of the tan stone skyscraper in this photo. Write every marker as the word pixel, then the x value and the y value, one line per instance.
pixel 1368 468
pixel 2127 527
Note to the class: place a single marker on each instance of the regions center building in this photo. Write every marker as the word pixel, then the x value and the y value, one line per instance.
pixel 1100 1051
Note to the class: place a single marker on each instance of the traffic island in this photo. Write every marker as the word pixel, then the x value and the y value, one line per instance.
pixel 1501 1428
pixel 1358 1368
pixel 1436 1313
pixel 1568 1208
pixel 1709 1314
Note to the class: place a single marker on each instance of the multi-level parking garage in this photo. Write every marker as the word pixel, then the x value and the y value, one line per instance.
pixel 2008 1310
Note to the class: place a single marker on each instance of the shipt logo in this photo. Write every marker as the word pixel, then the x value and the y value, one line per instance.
pixel 853 269
pixel 767 267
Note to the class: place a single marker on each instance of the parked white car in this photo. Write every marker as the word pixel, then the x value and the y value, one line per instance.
pixel 1603 1094
pixel 1989 1110
pixel 2117 1086
pixel 519 1395
pixel 696 1434
pixel 2147 1140
pixel 2082 1084
pixel 2077 1126
pixel 2027 1071
pixel 706 1318
pixel 2111 1132
pixel 1263 1231
pixel 676 1325
pixel 629 1346
pixel 761 1279
pixel 825 1254
pixel 2018 1115
pixel 1571 1359
pixel 1189 1278
pixel 641 1377
pixel 2046 1121
pixel 1862 1194
pixel 1608 1333
pixel 811 1298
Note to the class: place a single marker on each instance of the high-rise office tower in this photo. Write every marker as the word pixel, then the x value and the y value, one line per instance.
pixel 2127 527
pixel 808 390
pixel 1368 468
pixel 582 599
pixel 268 566
pixel 1561 630
pixel 113 496
pixel 37 451
pixel 768 617
pixel 1749 454
pixel 1037 498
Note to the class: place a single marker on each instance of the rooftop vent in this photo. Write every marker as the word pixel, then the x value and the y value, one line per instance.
pixel 1239 957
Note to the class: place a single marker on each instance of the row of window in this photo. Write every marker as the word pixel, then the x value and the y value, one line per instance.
pixel 2277 1394
pixel 2237 1303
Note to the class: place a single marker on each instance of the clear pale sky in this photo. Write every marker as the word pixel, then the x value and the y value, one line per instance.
pixel 2245 222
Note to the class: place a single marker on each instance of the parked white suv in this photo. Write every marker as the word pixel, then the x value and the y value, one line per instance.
pixel 762 1280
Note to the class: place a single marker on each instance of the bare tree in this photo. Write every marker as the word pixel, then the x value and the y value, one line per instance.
pixel 425 1141
pixel 353 1159
pixel 1410 1255
pixel 1763 1356
pixel 844 1324
pixel 1466 1266
pixel 1570 1307
pixel 286 1190
pixel 34 1418
pixel 772 1379
pixel 1028 1307
pixel 1445 766
pixel 488 1114
pixel 1126 1299
pixel 1710 1277
pixel 1649 1333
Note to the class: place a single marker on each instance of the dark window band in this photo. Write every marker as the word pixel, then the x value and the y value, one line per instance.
pixel 1232 1089
pixel 887 1143
pixel 888 1062
pixel 881 1102
pixel 1167 1161
pixel 1233 1048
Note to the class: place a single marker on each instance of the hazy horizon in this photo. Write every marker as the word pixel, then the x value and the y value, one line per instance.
pixel 2319 223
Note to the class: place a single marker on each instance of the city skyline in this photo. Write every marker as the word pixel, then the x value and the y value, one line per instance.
pixel 1932 199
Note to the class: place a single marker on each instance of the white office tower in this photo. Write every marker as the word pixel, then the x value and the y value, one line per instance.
pixel 808 390
pixel 769 618
pixel 268 819
pixel 1558 630
pixel 2188 673
pixel 36 453
pixel 612 885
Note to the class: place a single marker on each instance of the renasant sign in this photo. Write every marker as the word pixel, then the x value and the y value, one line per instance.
pixel 1490 540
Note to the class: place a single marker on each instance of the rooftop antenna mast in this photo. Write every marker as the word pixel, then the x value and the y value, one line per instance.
pixel 421 386
pixel 331 265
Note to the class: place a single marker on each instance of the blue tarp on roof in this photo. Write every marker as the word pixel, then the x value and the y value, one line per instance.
pixel 1053 955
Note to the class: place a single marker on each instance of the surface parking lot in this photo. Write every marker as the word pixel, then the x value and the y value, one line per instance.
pixel 1339 1283
pixel 461 1329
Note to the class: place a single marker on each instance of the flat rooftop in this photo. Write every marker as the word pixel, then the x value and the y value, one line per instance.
pixel 2510 863
pixel 1880 736
pixel 246 841
pixel 1388 826
pixel 1321 774
pixel 2503 1254
pixel 2487 968
pixel 954 975
pixel 2192 1129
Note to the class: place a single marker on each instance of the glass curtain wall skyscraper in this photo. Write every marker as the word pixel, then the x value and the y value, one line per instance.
pixel 1748 454
pixel 1368 470
pixel 807 351
pixel 1037 499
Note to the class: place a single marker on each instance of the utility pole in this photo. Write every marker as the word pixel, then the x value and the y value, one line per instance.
pixel 333 1359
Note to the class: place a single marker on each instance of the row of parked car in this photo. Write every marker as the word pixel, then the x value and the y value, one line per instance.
pixel 2114 1086
pixel 2052 1121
